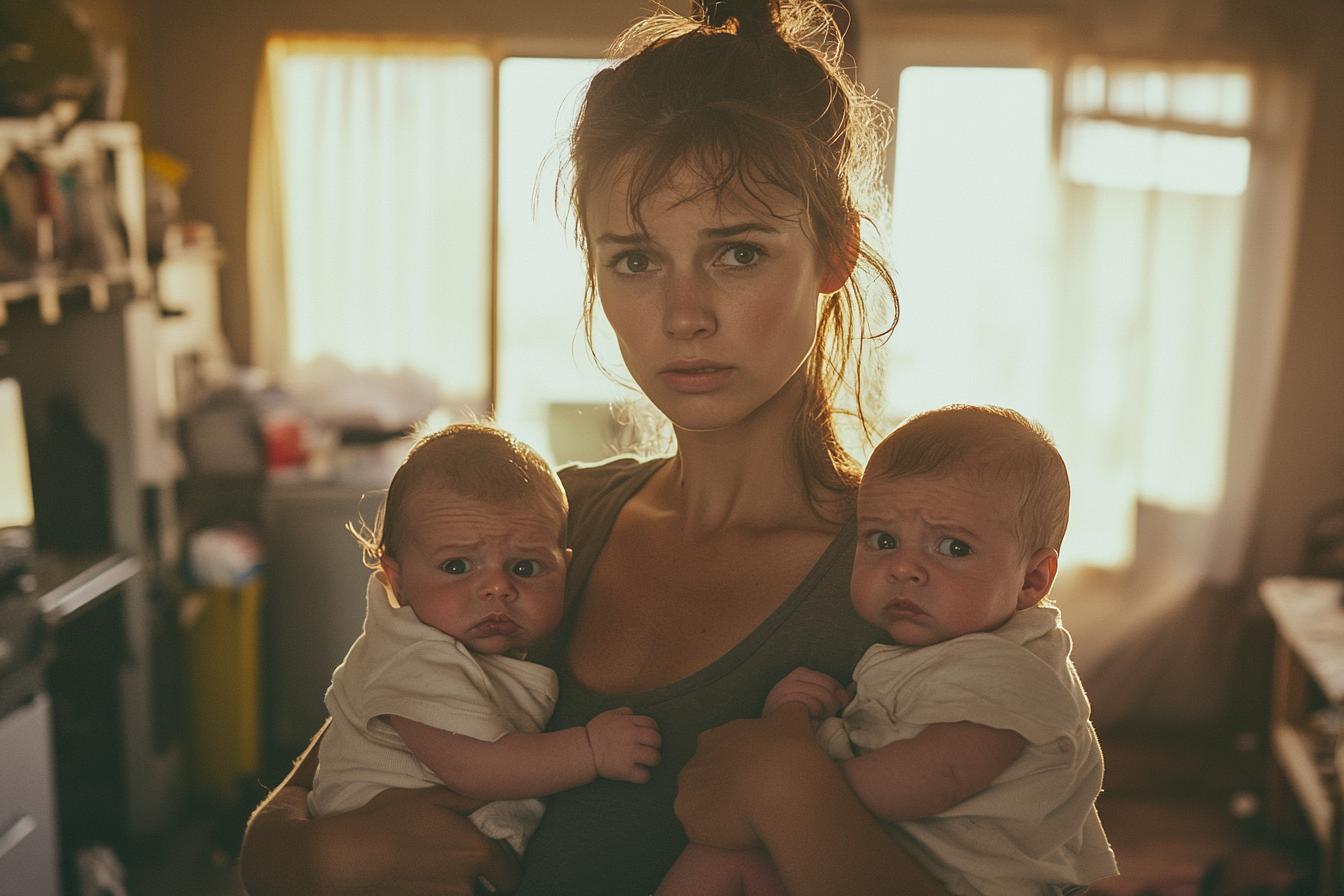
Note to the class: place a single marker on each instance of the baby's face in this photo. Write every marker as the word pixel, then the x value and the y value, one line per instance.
pixel 493 577
pixel 938 556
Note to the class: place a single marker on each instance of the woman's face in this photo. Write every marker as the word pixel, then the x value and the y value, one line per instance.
pixel 714 303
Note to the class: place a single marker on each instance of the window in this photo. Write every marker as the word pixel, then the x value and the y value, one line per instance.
pixel 1094 290
pixel 378 238
pixel 549 394
pixel 1105 245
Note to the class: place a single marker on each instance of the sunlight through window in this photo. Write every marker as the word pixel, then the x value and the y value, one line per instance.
pixel 549 391
pixel 1098 298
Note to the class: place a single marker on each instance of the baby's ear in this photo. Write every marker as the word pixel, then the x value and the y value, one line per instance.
pixel 390 572
pixel 1038 577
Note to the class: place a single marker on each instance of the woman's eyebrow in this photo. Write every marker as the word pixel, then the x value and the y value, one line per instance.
pixel 623 239
pixel 737 230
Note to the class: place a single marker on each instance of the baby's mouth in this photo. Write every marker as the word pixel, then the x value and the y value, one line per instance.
pixel 497 625
pixel 900 608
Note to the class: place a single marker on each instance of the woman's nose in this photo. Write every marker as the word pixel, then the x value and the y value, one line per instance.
pixel 687 307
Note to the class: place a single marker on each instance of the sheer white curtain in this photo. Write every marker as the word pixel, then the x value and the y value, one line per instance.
pixel 1119 292
pixel 371 209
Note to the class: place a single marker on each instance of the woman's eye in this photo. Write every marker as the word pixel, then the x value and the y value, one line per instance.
pixel 953 547
pixel 526 569
pixel 631 263
pixel 881 541
pixel 741 255
pixel 456 566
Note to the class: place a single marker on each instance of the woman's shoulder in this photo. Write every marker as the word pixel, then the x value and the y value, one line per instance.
pixel 587 485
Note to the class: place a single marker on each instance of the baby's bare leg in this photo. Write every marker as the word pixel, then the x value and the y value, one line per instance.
pixel 706 871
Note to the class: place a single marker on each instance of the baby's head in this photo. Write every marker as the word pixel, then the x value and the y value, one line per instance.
pixel 961 514
pixel 472 537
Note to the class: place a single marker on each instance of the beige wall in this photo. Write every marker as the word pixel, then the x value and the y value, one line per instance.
pixel 1305 462
pixel 202 58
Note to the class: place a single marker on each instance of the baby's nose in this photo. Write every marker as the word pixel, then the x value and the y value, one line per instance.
pixel 497 586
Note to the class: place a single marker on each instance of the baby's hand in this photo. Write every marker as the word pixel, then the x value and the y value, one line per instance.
pixel 624 745
pixel 820 693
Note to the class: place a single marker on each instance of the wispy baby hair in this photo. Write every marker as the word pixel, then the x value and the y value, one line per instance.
pixel 472 461
pixel 991 442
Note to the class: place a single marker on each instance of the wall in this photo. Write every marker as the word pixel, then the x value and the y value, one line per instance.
pixel 1305 462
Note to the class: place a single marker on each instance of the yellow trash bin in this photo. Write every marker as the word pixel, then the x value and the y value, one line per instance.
pixel 222 631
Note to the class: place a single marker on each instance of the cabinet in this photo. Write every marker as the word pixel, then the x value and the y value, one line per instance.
pixel 28 800
pixel 1307 700
pixel 316 580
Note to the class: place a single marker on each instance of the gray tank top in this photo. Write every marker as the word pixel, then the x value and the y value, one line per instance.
pixel 612 838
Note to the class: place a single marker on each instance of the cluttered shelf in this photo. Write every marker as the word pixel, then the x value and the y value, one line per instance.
pixel 73 196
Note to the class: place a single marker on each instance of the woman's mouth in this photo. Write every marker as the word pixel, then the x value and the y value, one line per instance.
pixel 695 375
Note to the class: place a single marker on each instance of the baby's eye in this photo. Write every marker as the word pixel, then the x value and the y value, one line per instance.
pixel 881 541
pixel 526 569
pixel 631 263
pixel 741 255
pixel 954 547
pixel 456 566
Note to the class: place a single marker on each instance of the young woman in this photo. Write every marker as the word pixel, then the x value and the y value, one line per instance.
pixel 720 175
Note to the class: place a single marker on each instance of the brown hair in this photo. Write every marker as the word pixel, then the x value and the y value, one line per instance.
pixel 987 441
pixel 750 93
pixel 472 461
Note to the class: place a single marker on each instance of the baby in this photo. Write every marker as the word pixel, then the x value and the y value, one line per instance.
pixel 970 735
pixel 470 555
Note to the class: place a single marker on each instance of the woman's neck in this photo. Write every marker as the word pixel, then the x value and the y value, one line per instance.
pixel 746 475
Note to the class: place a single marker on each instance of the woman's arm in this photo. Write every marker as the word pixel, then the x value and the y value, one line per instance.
pixel 765 782
pixel 402 841
pixel 932 771
pixel 616 744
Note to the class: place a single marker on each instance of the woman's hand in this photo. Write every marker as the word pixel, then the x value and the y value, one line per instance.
pixel 764 782
pixel 401 841
pixel 727 788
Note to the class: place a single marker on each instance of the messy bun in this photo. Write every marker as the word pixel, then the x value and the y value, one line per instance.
pixel 752 19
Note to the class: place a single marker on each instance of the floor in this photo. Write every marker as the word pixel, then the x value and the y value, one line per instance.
pixel 1170 808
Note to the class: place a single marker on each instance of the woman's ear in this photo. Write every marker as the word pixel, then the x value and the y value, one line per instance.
pixel 1038 578
pixel 840 266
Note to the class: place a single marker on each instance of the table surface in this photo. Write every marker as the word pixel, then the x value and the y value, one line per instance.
pixel 1310 617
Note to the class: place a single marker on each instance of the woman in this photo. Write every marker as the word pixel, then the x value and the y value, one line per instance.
pixel 720 174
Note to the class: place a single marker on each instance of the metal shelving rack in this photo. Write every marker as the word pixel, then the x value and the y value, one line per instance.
pixel 94 333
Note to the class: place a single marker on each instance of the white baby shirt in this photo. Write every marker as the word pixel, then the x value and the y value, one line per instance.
pixel 400 666
pixel 1035 828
